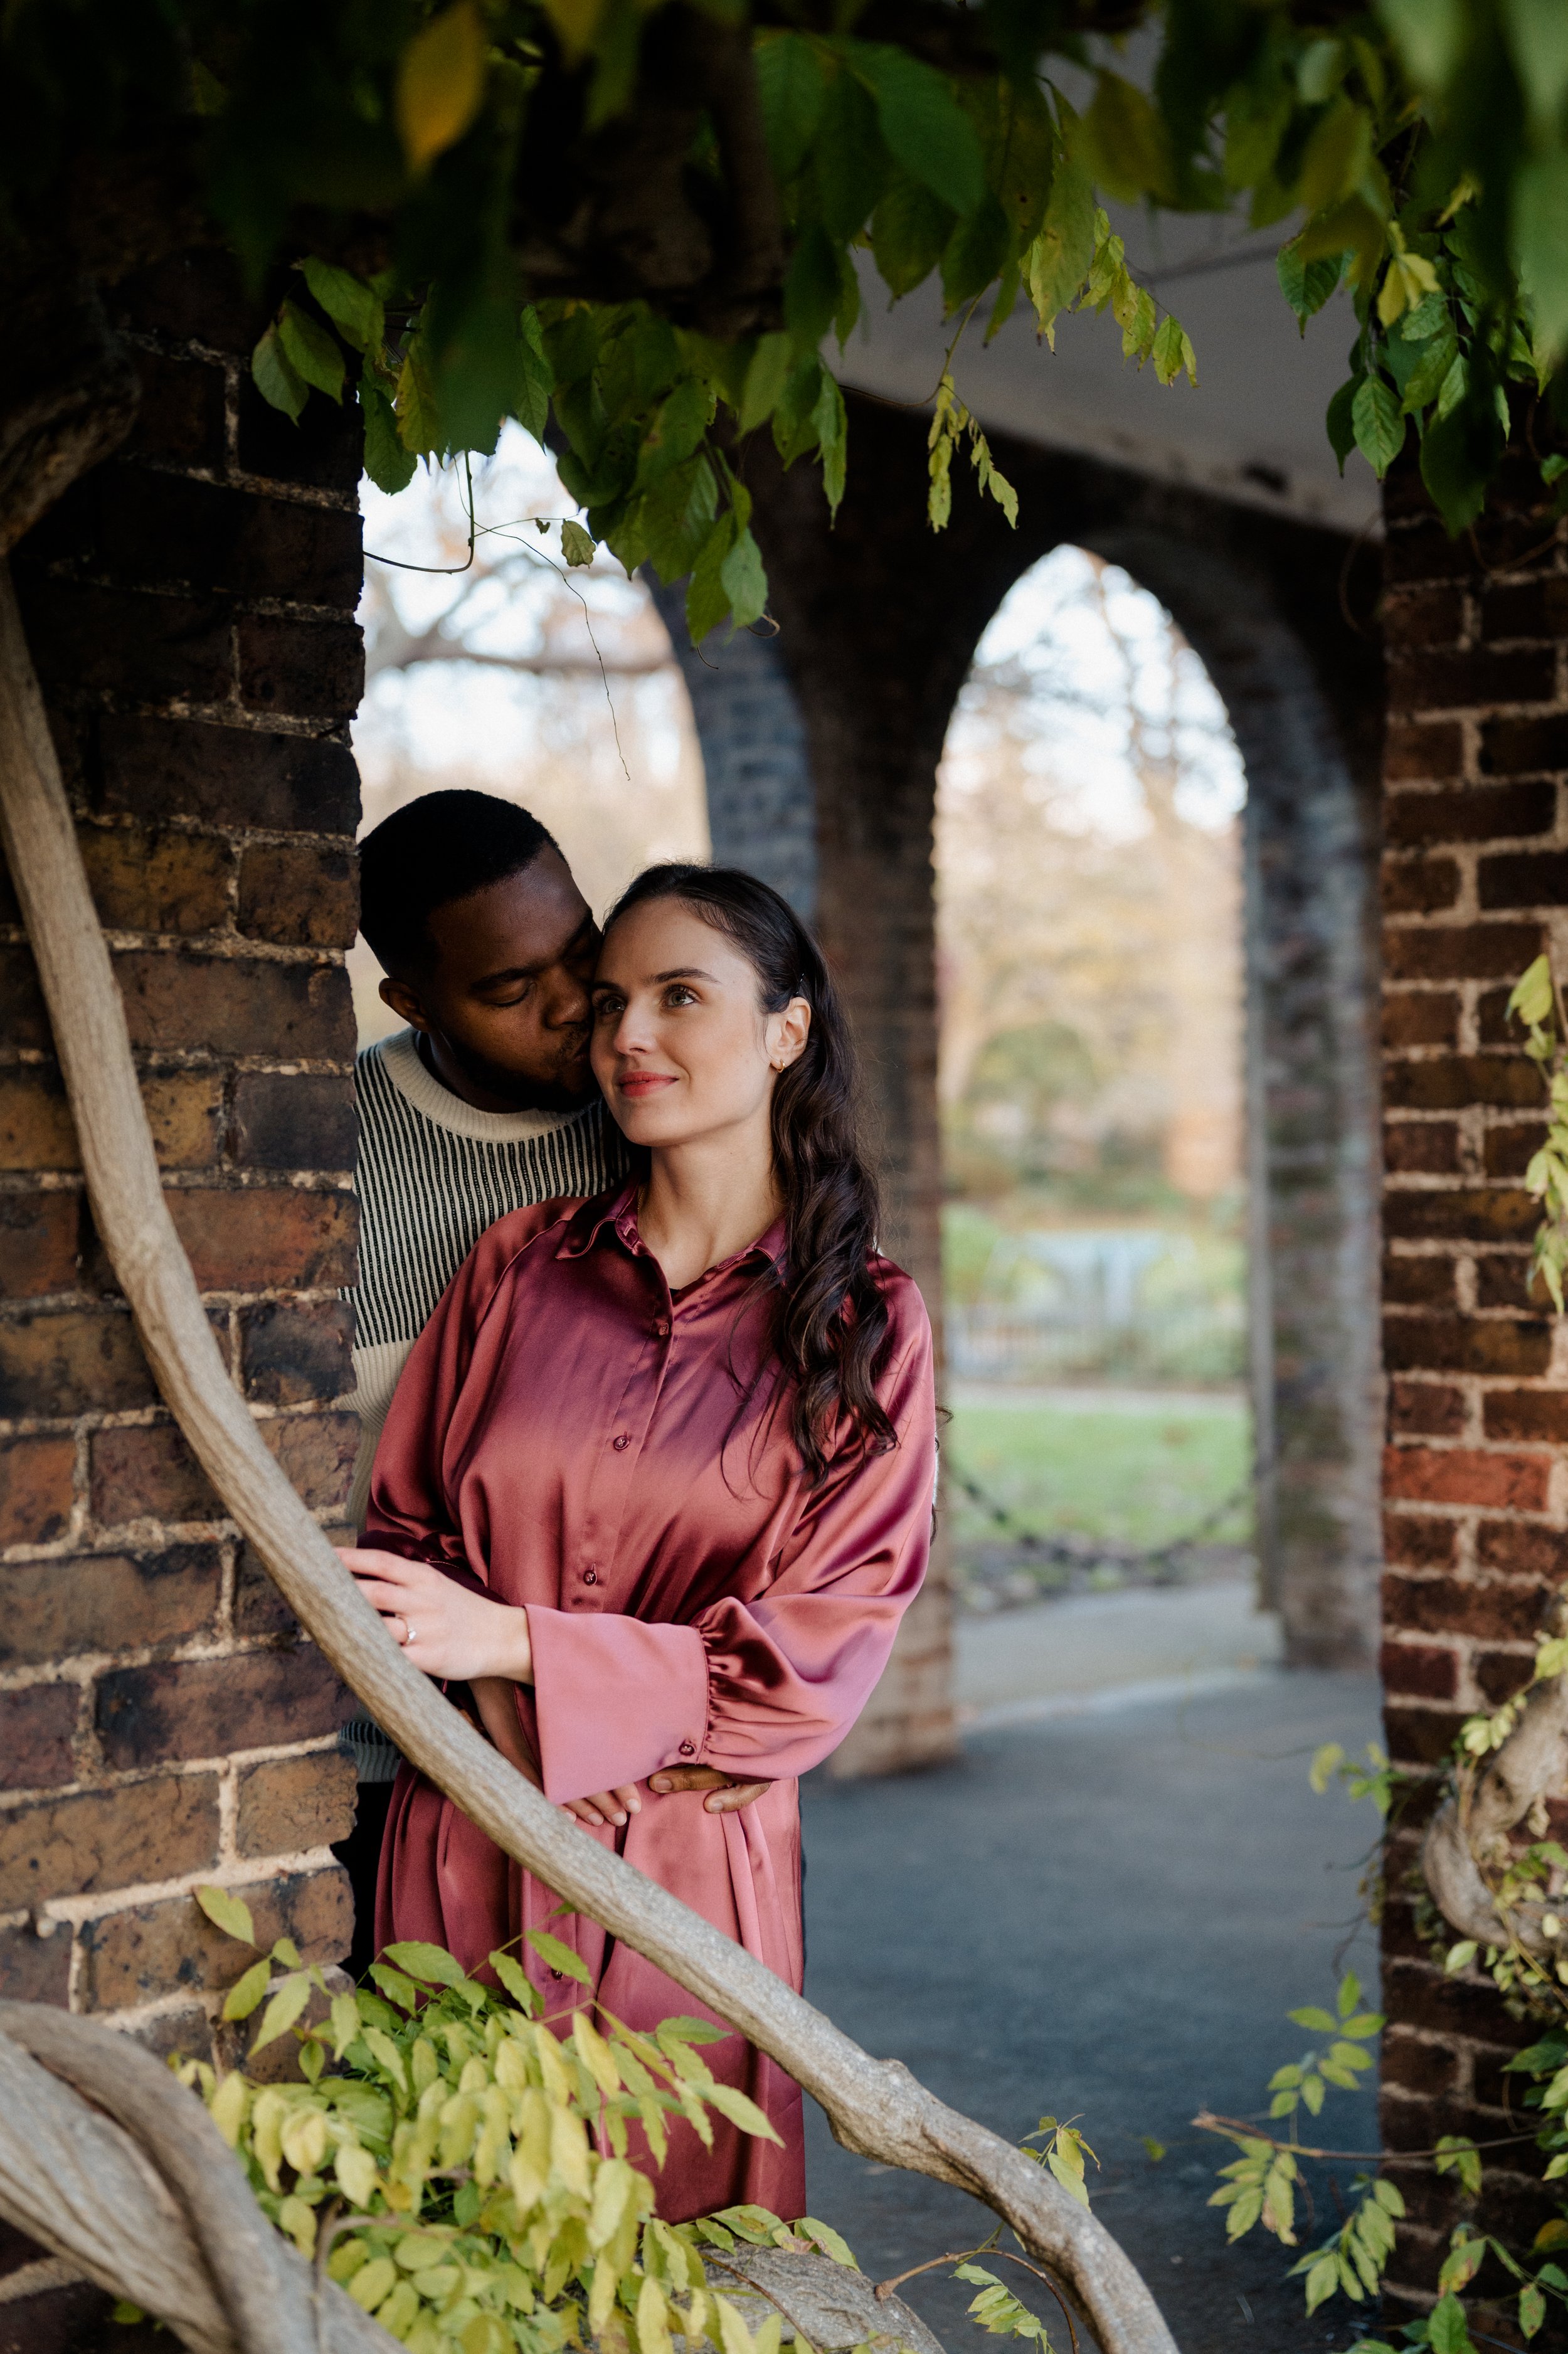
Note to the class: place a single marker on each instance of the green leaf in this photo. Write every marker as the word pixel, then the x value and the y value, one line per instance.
pixel 1173 352
pixel 791 87
pixel 1540 241
pixel 283 2010
pixel 829 2241
pixel 1156 2150
pixel 811 290
pixel 532 409
pixel 1458 456
pixel 1127 145
pixel 1532 1001
pixel 517 1982
pixel 925 127
pixel 1349 1995
pixel 1537 33
pixel 1446 2331
pixel 1322 2280
pixel 1429 375
pixel 1338 156
pixel 312 352
pixel 1429 34
pixel 229 1913
pixel 1306 285
pixel 419 426
pixel 558 1956
pixel 910 232
pixel 977 252
pixel 1320 2021
pixel 768 371
pixel 695 2030
pixel 577 545
pixel 742 2110
pixel 744 583
pixel 431 1964
pixel 1059 260
pixel 831 422
pixel 246 1992
pixel 278 380
pixel 354 308
pixel 1378 423
pixel 394 1986
pixel 1532 2309
pixel 390 466
pixel 850 165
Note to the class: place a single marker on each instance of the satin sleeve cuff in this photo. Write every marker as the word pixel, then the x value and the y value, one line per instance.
pixel 615 1699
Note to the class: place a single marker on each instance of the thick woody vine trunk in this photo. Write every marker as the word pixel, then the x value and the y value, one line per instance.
pixel 876 2107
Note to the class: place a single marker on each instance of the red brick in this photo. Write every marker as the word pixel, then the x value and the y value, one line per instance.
pixel 1538 1416
pixel 1509 1147
pixel 287 1804
pixel 1500 1674
pixel 1421 1735
pixel 153 1950
pixel 317 1452
pixel 148 1473
pixel 267 1236
pixel 1526 609
pixel 1422 1670
pixel 1465 1475
pixel 1461 677
pixel 295 1119
pixel 37 1130
pixel 233 776
pixel 1465 1344
pixel 1452 1083
pixel 1421 1148
pixel 57 1608
pixel 35 1969
pixel 181 418
pixel 95 1840
pixel 35 1489
pixel 178 999
pixel 24 1022
pixel 1420 887
pixel 38 1243
pixel 1417 2064
pixel 1460 952
pixel 323 450
pixel 1417 1282
pixel 308 670
pixel 299 894
pixel 1420 1017
pixel 150 881
pixel 1529 878
pixel 1477 813
pixel 1424 555
pixel 1415 751
pixel 1431 616
pixel 297 1352
pixel 1491 1609
pixel 1418 1541
pixel 205 535
pixel 1525 1551
pixel 72 1362
pixel 154 648
pixel 201 1708
pixel 1463 1214
pixel 1425 1410
pixel 1497 1026
pixel 1517 747
pixel 1505 1280
pixel 37 1727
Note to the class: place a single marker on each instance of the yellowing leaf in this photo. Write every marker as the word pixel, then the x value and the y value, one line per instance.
pixel 304 2139
pixel 228 2106
pixel 741 2111
pixel 231 1914
pixel 577 548
pixel 440 83
pixel 355 2171
pixel 246 1992
pixel 576 22
pixel 283 2010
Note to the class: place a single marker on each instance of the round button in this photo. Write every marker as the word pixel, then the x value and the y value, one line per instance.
pixel 688 1748
pixel 590 1575
pixel 620 1444
pixel 661 1329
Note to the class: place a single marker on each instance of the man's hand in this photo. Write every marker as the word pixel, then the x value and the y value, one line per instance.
pixel 444 1628
pixel 726 1793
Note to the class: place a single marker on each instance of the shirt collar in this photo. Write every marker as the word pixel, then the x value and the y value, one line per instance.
pixel 616 1214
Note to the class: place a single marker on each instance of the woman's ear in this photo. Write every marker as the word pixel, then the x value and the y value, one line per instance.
pixel 787 1043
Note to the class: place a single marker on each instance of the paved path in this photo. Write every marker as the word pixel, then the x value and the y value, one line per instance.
pixel 1107 1916
pixel 1083 1651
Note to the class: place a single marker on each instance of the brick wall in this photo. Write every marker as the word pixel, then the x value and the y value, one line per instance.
pixel 1476 882
pixel 190 610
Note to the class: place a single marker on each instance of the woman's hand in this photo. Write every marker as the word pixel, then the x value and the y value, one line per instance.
pixel 496 1701
pixel 445 1628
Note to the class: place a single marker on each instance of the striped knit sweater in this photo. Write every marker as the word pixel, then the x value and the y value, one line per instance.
pixel 432 1174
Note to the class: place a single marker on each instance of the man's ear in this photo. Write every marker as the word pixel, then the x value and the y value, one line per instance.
pixel 402 999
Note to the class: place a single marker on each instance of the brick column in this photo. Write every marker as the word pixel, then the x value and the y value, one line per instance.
pixel 1476 882
pixel 162 1721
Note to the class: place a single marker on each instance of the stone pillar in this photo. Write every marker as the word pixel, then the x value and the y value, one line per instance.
pixel 761 807
pixel 1475 884
pixel 163 1723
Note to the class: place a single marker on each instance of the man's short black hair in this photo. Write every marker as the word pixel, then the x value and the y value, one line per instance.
pixel 433 850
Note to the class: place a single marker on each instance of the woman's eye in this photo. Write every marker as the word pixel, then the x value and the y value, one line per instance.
pixel 607 1009
pixel 679 994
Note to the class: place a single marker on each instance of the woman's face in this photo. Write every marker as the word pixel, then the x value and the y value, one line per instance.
pixel 682 1048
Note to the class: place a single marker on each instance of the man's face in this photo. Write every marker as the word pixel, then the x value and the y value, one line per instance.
pixel 504 1003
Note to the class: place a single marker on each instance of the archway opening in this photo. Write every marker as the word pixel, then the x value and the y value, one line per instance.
pixel 1090 929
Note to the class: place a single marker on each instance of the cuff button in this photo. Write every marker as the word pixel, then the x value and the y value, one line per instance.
pixel 688 1748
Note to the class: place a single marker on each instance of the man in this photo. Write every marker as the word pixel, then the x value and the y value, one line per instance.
pixel 483 1104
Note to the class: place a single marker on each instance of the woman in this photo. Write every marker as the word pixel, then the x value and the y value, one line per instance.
pixel 657 1483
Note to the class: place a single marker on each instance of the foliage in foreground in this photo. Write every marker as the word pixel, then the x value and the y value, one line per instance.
pixel 641 220
pixel 467 2174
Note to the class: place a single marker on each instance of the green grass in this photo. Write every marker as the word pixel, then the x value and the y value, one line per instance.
pixel 1135 1477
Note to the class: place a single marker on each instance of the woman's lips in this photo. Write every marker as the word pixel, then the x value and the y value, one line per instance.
pixel 644 1083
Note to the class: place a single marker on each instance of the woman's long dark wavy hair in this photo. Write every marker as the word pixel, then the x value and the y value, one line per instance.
pixel 831 1322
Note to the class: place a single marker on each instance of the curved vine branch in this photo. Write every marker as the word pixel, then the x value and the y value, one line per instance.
pixel 876 2107
pixel 141 2193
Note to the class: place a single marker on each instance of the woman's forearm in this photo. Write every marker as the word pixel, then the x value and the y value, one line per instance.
pixel 511 1651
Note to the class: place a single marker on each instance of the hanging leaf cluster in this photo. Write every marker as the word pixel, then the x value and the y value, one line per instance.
pixel 637 226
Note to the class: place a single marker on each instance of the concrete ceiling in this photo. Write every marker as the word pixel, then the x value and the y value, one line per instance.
pixel 1253 429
